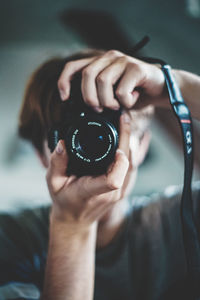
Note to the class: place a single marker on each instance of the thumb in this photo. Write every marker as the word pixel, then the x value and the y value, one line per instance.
pixel 56 173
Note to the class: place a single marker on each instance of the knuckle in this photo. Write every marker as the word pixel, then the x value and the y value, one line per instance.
pixel 113 183
pixel 101 78
pixel 113 53
pixel 123 59
pixel 86 72
pixel 134 66
pixel 128 103
pixel 118 195
pixel 120 93
pixel 124 97
pixel 105 76
pixel 124 162
pixel 69 65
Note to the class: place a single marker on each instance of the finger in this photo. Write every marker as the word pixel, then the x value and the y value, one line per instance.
pixel 105 83
pixel 67 74
pixel 124 132
pixel 88 83
pixel 56 173
pixel 89 77
pixel 126 92
pixel 114 171
pixel 118 169
pixel 113 180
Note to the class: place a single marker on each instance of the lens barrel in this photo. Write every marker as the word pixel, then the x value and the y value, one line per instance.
pixel 91 142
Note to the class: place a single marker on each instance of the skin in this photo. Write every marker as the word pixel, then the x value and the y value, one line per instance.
pixel 78 205
pixel 88 211
pixel 100 74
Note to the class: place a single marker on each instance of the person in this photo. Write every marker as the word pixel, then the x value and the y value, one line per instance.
pixel 94 243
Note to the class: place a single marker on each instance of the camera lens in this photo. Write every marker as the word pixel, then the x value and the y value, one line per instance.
pixel 92 142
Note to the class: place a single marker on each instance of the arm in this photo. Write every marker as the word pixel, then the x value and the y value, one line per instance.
pixel 190 87
pixel 70 262
pixel 78 204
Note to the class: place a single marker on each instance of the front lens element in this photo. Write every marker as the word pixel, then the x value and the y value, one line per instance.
pixel 92 141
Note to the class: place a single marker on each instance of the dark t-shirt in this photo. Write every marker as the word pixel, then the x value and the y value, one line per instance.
pixel 144 261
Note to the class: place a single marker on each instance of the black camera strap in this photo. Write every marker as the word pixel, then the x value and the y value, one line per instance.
pixel 189 226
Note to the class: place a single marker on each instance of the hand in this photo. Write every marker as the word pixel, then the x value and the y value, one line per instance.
pixel 82 201
pixel 137 84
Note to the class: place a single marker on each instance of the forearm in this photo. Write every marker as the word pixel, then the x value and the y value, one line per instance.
pixel 70 263
pixel 190 87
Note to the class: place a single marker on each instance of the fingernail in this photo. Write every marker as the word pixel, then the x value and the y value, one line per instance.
pixel 62 94
pixel 59 148
pixel 120 151
pixel 116 108
pixel 98 109
pixel 135 95
pixel 126 118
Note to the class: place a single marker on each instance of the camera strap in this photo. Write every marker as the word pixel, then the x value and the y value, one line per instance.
pixel 189 226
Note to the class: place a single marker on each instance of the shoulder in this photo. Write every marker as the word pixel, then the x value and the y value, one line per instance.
pixel 23 246
pixel 157 216
pixel 21 229
pixel 156 241
pixel 155 205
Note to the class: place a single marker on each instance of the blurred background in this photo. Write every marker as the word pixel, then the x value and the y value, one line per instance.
pixel 33 31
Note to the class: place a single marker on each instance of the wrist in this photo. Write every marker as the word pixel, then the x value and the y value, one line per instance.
pixel 68 226
pixel 179 77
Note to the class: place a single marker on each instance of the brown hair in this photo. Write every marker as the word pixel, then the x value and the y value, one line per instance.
pixel 41 107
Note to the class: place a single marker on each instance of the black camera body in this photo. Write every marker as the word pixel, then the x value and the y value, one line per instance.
pixel 91 138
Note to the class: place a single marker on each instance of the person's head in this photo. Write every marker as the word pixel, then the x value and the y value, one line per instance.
pixel 41 108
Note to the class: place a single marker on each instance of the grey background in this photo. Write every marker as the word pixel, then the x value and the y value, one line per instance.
pixel 31 31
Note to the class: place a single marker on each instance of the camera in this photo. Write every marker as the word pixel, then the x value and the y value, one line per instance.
pixel 91 138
